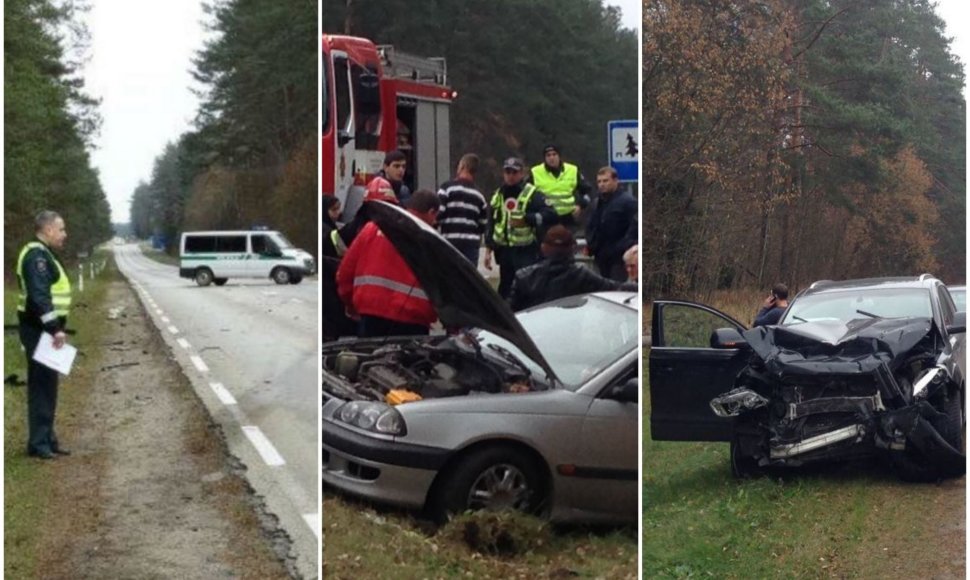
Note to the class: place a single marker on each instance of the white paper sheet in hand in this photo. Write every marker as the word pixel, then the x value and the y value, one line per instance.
pixel 59 359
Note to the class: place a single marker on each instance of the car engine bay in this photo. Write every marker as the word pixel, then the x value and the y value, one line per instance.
pixel 406 370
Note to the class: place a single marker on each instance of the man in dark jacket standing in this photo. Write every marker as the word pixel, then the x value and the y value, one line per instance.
pixel 773 307
pixel 518 214
pixel 43 303
pixel 558 275
pixel 612 227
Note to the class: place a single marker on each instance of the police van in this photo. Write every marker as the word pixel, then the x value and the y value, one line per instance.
pixel 208 257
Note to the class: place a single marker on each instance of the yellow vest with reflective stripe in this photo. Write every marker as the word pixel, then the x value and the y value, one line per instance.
pixel 504 234
pixel 559 191
pixel 60 290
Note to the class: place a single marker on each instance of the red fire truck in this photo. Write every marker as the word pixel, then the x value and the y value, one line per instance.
pixel 377 99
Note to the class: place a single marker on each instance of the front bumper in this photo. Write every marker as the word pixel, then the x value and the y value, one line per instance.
pixel 379 469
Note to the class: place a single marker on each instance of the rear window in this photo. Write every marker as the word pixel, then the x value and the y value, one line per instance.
pixel 223 244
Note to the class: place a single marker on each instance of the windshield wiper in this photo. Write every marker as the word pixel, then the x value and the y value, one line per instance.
pixel 507 355
pixel 869 314
pixel 795 316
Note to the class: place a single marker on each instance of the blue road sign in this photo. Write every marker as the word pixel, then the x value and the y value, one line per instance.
pixel 623 142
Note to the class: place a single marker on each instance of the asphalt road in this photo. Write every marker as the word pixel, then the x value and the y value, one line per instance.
pixel 250 350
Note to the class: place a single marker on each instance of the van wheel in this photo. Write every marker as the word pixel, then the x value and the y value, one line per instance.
pixel 220 281
pixel 280 275
pixel 296 279
pixel 203 276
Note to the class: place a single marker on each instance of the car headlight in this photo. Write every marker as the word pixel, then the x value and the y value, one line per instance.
pixel 377 417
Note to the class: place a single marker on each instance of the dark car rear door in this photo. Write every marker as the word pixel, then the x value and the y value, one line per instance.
pixel 686 372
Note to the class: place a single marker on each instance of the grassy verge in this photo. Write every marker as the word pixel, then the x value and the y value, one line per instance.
pixel 158 255
pixel 361 542
pixel 26 480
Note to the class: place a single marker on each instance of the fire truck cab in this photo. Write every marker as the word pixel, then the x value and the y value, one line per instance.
pixel 377 99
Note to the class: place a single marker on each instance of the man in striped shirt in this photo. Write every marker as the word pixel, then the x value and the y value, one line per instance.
pixel 464 212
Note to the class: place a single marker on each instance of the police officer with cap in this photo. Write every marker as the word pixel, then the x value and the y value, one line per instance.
pixel 563 184
pixel 43 303
pixel 518 215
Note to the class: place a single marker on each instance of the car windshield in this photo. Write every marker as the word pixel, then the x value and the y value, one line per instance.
pixel 579 337
pixel 959 296
pixel 281 241
pixel 860 303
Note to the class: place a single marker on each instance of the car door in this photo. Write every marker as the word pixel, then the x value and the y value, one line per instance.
pixel 686 372
pixel 609 454
pixel 262 255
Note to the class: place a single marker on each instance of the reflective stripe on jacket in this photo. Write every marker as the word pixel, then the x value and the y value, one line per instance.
pixel 373 279
pixel 560 191
pixel 60 290
pixel 505 234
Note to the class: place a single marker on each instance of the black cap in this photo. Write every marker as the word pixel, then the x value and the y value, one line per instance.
pixel 549 148
pixel 513 163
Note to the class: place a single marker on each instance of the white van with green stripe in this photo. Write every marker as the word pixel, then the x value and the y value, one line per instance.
pixel 208 257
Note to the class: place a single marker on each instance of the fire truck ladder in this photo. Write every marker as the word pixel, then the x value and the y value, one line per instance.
pixel 401 65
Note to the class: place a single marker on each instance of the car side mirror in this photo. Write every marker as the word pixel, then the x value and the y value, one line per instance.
pixel 628 392
pixel 959 324
pixel 727 338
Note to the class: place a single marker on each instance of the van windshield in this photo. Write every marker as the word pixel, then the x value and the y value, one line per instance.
pixel 281 241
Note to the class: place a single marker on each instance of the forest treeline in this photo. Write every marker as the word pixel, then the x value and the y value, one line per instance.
pixel 251 158
pixel 795 140
pixel 527 73
pixel 49 123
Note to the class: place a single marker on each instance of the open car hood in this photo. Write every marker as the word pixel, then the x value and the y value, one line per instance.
pixel 458 292
pixel 857 346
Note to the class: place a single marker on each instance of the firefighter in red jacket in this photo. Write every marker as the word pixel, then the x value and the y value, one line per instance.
pixel 376 284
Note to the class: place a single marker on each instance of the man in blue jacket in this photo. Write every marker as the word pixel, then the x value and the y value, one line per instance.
pixel 612 226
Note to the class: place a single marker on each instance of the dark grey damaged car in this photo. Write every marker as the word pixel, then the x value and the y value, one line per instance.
pixel 854 369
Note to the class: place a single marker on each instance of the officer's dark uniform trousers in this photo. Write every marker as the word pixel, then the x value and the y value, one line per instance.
pixel 41 396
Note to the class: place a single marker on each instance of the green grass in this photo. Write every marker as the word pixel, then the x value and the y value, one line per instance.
pixel 26 480
pixel 158 255
pixel 363 542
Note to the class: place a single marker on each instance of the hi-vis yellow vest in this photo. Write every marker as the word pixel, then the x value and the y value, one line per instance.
pixel 559 191
pixel 60 290
pixel 505 234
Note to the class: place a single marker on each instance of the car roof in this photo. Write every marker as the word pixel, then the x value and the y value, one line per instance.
pixel 228 232
pixel 823 286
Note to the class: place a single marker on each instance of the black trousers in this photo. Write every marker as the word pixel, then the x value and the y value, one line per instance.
pixel 511 259
pixel 375 326
pixel 41 396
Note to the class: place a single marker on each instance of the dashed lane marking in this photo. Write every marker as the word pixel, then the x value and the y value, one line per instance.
pixel 224 395
pixel 266 450
pixel 165 319
pixel 199 363
pixel 183 343
pixel 313 520
pixel 173 330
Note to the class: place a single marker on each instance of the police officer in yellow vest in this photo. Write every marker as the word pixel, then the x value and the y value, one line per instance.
pixel 518 216
pixel 564 186
pixel 43 303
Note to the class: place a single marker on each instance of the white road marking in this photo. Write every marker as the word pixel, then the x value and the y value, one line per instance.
pixel 172 329
pixel 224 395
pixel 199 363
pixel 266 450
pixel 165 319
pixel 183 343
pixel 158 311
pixel 313 520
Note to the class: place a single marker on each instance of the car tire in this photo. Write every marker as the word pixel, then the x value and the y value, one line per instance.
pixel 296 279
pixel 952 427
pixel 220 281
pixel 280 275
pixel 203 276
pixel 742 466
pixel 492 478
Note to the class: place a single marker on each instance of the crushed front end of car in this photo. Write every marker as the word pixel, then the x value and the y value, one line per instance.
pixel 828 390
